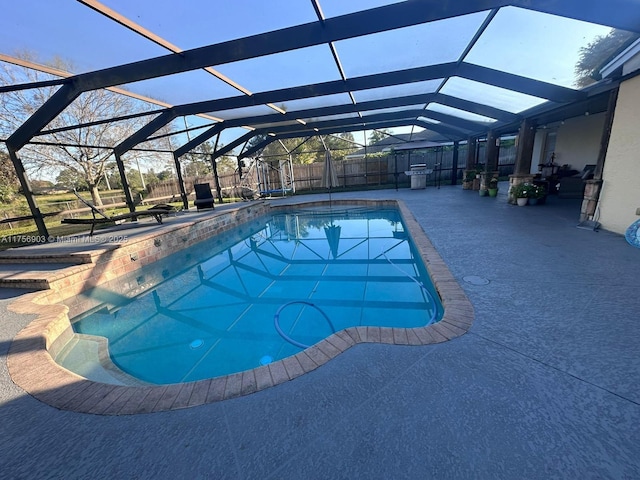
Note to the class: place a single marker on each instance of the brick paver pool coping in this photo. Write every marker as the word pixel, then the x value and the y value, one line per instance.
pixel 32 367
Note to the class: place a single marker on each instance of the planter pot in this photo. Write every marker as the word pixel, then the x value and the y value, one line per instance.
pixel 483 193
pixel 522 201
pixel 493 192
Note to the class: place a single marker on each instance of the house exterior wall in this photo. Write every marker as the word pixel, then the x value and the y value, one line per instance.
pixel 578 141
pixel 620 194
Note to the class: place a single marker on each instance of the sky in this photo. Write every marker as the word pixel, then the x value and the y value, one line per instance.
pixel 517 41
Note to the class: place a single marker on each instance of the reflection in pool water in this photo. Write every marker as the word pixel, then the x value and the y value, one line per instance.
pixel 212 312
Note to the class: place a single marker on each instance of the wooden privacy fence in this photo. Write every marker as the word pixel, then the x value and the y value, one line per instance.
pixel 373 171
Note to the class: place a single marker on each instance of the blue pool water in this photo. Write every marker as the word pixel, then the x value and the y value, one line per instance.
pixel 213 311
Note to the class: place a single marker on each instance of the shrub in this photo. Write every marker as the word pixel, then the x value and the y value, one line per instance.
pixel 524 190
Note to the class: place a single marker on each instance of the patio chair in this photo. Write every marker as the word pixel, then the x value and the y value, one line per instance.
pixel 204 197
pixel 99 218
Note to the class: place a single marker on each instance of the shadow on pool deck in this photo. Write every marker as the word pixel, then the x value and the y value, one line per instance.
pixel 545 385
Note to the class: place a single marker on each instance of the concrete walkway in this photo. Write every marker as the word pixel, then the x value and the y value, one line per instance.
pixel 545 385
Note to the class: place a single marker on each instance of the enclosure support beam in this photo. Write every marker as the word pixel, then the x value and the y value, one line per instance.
pixel 203 137
pixel 128 198
pixel 28 193
pixel 236 143
pixel 66 94
pixel 333 129
pixel 370 122
pixel 454 163
pixel 142 134
pixel 183 193
pixel 519 83
pixel 477 108
pixel 214 167
pixel 217 179
pixel 258 146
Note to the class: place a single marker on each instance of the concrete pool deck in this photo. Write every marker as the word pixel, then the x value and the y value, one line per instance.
pixel 546 383
pixel 114 269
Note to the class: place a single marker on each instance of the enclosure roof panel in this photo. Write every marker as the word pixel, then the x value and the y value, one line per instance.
pixel 202 22
pixel 541 46
pixel 479 64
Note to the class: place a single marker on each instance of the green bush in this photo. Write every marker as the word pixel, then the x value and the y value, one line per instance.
pixel 524 190
pixel 541 191
pixel 7 194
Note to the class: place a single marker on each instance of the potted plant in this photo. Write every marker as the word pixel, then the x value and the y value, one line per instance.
pixel 493 187
pixel 539 195
pixel 522 193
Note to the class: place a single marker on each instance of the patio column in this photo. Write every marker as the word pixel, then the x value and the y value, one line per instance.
pixel 524 154
pixel 469 173
pixel 491 160
pixel 593 187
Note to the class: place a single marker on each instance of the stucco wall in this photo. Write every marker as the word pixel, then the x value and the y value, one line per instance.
pixel 620 194
pixel 578 141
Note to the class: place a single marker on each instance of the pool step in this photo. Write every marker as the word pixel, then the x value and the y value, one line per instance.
pixel 34 267
pixel 33 276
pixel 66 259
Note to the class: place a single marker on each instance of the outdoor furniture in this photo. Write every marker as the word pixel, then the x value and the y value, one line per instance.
pixel 28 217
pixel 573 186
pixel 156 211
pixel 204 197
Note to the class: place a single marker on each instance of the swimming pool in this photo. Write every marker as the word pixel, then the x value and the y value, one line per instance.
pixel 260 294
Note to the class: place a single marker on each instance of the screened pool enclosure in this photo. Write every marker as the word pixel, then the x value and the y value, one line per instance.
pixel 244 75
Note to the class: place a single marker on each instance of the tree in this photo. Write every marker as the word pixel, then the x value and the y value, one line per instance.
pixel 40 185
pixel 71 179
pixel 598 52
pixel 9 184
pixel 198 162
pixel 196 167
pixel 75 149
pixel 340 145
pixel 311 150
pixel 151 177
pixel 376 135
